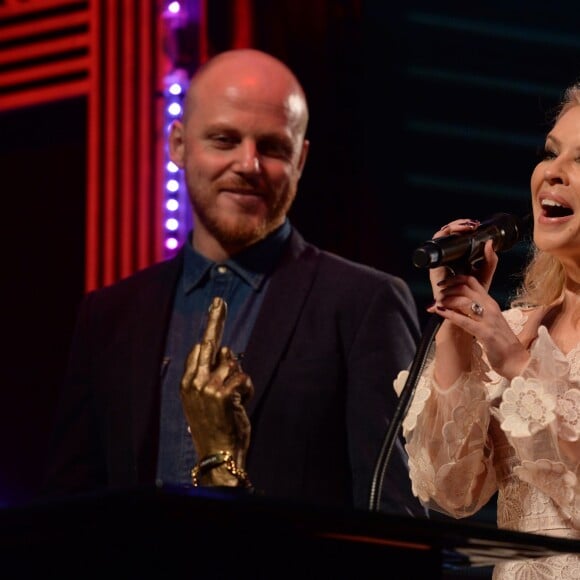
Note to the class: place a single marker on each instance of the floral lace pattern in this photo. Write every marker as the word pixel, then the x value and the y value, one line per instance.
pixel 526 408
pixel 553 568
pixel 486 434
pixel 551 477
pixel 568 408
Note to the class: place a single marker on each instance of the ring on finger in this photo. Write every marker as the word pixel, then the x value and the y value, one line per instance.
pixel 477 309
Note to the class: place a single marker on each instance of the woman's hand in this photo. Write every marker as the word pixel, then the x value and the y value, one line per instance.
pixel 464 302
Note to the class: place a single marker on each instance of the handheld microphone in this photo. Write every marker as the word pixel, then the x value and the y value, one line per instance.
pixel 463 250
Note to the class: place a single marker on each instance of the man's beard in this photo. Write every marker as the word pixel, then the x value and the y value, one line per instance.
pixel 241 231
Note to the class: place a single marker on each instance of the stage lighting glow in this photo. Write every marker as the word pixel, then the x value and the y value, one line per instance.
pixel 171 243
pixel 172 185
pixel 172 225
pixel 172 205
pixel 174 109
pixel 178 17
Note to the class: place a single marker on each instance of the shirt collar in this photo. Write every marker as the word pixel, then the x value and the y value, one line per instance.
pixel 252 264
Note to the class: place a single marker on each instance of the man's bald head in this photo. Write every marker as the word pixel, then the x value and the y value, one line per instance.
pixel 241 72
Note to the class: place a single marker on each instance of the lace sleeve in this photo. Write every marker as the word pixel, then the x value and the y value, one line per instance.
pixel 540 415
pixel 450 459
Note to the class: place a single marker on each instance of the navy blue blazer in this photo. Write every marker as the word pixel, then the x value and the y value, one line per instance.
pixel 330 338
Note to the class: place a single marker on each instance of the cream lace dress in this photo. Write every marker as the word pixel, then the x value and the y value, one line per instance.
pixel 485 434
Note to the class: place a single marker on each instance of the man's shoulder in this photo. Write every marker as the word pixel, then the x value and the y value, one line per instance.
pixel 331 261
pixel 353 287
pixel 336 275
pixel 157 274
pixel 359 270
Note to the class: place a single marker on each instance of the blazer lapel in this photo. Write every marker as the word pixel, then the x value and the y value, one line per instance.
pixel 279 315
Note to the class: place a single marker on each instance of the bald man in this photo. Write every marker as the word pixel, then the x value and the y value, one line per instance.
pixel 252 358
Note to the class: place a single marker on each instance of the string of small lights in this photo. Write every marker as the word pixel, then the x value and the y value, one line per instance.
pixel 182 25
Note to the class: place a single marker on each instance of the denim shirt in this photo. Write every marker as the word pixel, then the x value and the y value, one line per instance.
pixel 242 282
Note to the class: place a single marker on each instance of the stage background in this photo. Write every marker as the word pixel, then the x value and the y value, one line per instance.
pixel 421 113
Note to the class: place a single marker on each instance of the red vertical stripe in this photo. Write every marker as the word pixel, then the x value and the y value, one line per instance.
pixel 128 152
pixel 243 30
pixel 94 183
pixel 158 185
pixel 111 138
pixel 203 38
pixel 145 138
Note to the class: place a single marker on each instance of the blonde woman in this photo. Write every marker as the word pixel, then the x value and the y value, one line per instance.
pixel 497 406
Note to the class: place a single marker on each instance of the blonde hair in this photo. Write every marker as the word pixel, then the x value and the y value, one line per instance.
pixel 544 278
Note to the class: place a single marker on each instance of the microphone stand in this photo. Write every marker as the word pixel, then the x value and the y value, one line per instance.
pixel 415 370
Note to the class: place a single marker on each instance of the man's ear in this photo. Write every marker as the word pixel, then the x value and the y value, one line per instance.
pixel 176 143
pixel 303 156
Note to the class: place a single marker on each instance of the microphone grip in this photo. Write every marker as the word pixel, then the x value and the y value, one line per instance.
pixel 462 251
pixel 435 253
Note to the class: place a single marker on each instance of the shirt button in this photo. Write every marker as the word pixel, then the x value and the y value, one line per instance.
pixel 222 269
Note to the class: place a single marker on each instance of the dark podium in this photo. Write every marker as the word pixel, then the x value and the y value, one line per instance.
pixel 214 533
